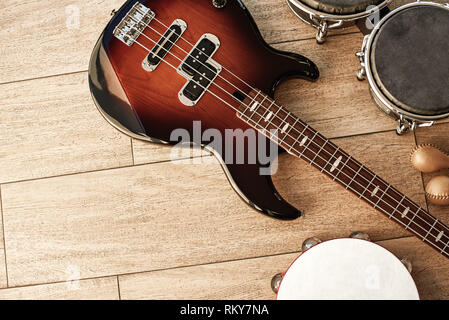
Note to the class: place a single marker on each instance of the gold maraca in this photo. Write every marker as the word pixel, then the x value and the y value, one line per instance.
pixel 428 158
pixel 437 190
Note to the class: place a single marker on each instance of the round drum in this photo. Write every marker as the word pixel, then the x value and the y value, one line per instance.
pixel 334 14
pixel 347 269
pixel 406 60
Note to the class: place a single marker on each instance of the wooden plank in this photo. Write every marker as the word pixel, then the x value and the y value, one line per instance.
pixel 167 215
pixel 430 270
pixel 438 136
pixel 250 279
pixel 319 197
pixel 45 35
pixel 47 38
pixel 337 104
pixel 52 127
pixel 278 23
pixel 91 289
pixel 235 280
pixel 145 152
pixel 3 276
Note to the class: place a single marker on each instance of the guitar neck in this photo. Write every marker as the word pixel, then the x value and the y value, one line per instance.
pixel 299 139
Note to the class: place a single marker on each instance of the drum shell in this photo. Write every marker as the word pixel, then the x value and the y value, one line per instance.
pixel 383 102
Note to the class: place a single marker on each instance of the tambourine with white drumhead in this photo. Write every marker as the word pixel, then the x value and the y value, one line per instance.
pixel 406 61
pixel 325 15
pixel 347 269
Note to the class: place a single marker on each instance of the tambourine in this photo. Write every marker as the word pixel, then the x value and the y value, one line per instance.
pixel 346 269
pixel 406 61
pixel 326 15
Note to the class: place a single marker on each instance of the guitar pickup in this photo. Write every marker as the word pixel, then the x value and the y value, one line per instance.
pixel 199 69
pixel 164 45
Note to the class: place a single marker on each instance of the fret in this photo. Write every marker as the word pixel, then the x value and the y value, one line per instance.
pixel 276 115
pixel 431 228
pixel 328 161
pixel 354 177
pixel 380 199
pixel 287 134
pixel 321 149
pixel 444 248
pixel 411 220
pixel 399 204
pixel 306 147
pixel 268 117
pixel 251 104
pixel 342 167
pixel 367 187
pixel 439 236
pixel 285 127
pixel 405 212
pixel 299 136
pixel 263 116
pixel 376 189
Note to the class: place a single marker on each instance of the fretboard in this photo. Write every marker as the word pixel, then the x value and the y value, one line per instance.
pixel 299 139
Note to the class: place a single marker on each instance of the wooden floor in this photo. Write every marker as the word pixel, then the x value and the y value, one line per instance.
pixel 81 201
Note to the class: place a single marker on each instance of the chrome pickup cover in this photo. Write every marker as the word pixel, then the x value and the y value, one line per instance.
pixel 133 24
pixel 199 69
pixel 164 45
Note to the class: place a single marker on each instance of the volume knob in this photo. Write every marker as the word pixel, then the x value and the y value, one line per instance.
pixel 219 3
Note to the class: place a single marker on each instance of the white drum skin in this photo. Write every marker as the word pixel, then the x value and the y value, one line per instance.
pixel 347 269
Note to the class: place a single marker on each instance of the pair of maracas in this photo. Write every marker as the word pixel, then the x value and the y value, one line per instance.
pixel 428 158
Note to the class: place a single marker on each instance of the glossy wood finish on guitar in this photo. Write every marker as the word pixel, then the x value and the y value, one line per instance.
pixel 145 105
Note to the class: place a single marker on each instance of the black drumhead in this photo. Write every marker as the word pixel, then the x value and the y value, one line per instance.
pixel 410 59
pixel 341 6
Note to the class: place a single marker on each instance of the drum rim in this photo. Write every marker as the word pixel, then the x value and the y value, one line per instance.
pixel 375 88
pixel 329 16
pixel 342 240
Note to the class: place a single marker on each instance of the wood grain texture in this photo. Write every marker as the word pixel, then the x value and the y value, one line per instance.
pixel 337 104
pixel 250 279
pixel 91 289
pixel 145 152
pixel 65 48
pixel 158 216
pixel 322 199
pixel 3 276
pixel 430 270
pixel 438 136
pixel 235 280
pixel 52 127
pixel 167 215
pixel 47 40
pixel 278 23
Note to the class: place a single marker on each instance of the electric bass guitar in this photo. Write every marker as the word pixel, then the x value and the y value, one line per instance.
pixel 166 69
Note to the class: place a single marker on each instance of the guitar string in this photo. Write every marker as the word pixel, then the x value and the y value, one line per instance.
pixel 399 203
pixel 336 177
pixel 432 227
pixel 418 208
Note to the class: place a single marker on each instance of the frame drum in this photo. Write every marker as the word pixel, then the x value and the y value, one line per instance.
pixel 347 269
pixel 406 61
pixel 325 15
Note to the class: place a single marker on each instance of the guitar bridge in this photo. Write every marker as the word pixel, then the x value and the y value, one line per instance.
pixel 133 24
